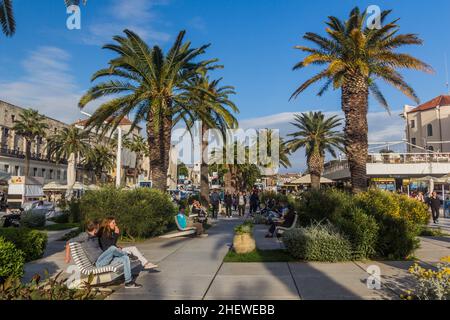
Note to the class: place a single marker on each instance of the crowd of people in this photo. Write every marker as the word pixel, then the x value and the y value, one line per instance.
pixel 434 202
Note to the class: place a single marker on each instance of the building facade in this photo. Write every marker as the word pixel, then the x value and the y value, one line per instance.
pixel 12 148
pixel 428 126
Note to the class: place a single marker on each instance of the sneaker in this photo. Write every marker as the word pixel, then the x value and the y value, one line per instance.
pixel 132 285
pixel 150 265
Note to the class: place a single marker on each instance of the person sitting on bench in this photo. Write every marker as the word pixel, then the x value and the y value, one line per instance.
pixel 91 246
pixel 286 221
pixel 109 235
pixel 184 224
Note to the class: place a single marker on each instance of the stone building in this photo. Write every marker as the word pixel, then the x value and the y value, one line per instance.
pixel 428 126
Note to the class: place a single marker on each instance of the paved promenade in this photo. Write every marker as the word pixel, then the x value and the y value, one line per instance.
pixel 192 268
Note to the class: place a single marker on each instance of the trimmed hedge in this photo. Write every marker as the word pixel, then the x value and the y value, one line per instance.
pixel 321 243
pixel 31 242
pixel 140 213
pixel 12 260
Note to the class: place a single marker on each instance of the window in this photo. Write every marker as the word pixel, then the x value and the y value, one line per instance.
pixel 58 174
pixel 414 141
pixel 50 174
pixel 34 172
pixel 16 170
pixel 6 168
pixel 43 174
pixel 413 124
pixel 65 175
pixel 430 148
pixel 13 118
pixel 430 130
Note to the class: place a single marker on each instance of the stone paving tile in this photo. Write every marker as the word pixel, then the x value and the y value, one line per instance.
pixel 255 269
pixel 236 287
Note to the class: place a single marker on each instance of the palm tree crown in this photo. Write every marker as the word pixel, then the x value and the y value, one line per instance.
pixel 317 135
pixel 7 18
pixel 355 56
pixel 151 85
pixel 352 49
pixel 68 141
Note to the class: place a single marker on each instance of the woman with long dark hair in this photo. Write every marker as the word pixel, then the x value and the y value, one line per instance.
pixel 108 235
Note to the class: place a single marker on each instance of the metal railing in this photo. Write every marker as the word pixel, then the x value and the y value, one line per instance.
pixel 391 158
pixel 18 154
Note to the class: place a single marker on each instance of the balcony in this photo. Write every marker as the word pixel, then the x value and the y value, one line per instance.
pixel 17 154
pixel 394 164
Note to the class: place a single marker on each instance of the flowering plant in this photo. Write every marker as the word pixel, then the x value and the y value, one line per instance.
pixel 430 284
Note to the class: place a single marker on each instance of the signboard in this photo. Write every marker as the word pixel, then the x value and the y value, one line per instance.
pixel 17 180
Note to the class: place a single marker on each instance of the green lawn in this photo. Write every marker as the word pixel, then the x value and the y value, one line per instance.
pixel 260 256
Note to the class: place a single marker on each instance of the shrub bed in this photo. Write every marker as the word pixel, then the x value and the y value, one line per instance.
pixel 31 242
pixel 140 213
pixel 322 243
pixel 377 223
pixel 12 260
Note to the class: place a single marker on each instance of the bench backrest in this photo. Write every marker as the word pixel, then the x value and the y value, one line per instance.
pixel 178 225
pixel 79 256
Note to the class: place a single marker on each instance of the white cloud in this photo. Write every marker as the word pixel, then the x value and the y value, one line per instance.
pixel 46 85
pixel 382 128
pixel 137 15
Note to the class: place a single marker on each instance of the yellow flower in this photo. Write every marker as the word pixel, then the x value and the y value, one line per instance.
pixel 446 259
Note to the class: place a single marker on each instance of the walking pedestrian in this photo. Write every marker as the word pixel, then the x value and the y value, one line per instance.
pixel 242 202
pixel 215 202
pixel 228 200
pixel 435 204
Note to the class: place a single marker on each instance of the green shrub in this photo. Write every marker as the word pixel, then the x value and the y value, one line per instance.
pixel 31 242
pixel 259 219
pixel 74 211
pixel 11 261
pixel 33 219
pixel 50 289
pixel 140 213
pixel 63 218
pixel 400 222
pixel 361 230
pixel 319 242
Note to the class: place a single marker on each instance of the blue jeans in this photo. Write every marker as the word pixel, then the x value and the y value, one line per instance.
pixel 114 255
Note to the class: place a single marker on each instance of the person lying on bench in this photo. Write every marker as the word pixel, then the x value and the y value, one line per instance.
pixel 286 221
pixel 184 224
pixel 91 246
pixel 109 234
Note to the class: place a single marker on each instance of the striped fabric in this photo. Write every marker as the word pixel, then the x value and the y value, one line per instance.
pixel 86 267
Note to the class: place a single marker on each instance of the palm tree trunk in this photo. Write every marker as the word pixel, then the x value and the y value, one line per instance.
pixel 355 95
pixel 204 171
pixel 160 152
pixel 27 157
pixel 315 167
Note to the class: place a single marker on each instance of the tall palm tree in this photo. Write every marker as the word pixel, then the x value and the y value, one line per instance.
pixel 150 84
pixel 216 110
pixel 7 17
pixel 30 126
pixel 355 56
pixel 317 135
pixel 100 159
pixel 72 144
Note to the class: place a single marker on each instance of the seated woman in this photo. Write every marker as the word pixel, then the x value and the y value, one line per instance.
pixel 108 235
pixel 183 223
pixel 286 221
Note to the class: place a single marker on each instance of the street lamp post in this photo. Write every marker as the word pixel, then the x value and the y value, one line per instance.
pixel 119 153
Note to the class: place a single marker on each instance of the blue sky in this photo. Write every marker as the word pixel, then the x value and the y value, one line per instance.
pixel 48 67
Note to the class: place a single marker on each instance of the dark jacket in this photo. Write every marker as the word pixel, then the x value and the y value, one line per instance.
pixel 228 200
pixel 434 203
pixel 108 241
pixel 254 199
pixel 215 199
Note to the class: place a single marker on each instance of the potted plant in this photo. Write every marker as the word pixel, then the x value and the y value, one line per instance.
pixel 243 241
